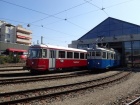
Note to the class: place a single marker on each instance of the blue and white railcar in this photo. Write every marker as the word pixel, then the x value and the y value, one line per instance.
pixel 102 58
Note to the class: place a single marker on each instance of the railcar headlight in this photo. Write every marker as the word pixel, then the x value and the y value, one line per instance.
pixel 32 62
pixel 98 63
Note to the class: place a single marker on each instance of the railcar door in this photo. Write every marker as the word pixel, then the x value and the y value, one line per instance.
pixel 52 59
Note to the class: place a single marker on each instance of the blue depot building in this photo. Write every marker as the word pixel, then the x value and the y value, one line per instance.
pixel 120 35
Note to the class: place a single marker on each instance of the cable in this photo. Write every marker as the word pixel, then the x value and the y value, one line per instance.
pixel 119 3
pixel 72 8
pixel 41 27
pixel 92 4
pixel 76 25
pixel 30 9
pixel 61 12
pixel 48 15
pixel 98 7
pixel 95 10
pixel 13 20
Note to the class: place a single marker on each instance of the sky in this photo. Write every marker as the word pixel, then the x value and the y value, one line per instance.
pixel 62 21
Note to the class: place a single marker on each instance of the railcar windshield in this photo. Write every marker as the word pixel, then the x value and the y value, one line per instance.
pixel 35 53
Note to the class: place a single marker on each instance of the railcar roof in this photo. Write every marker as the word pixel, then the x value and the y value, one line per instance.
pixel 100 49
pixel 56 47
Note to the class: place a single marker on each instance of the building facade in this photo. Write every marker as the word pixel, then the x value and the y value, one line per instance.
pixel 14 34
pixel 14 38
pixel 120 35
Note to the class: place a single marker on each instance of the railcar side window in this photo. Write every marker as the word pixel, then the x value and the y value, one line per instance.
pixel 85 56
pixel 76 55
pixel 98 53
pixel 112 56
pixel 61 54
pixel 108 55
pixel 44 53
pixel 69 55
pixel 104 55
pixel 81 55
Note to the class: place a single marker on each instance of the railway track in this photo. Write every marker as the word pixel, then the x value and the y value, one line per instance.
pixel 135 101
pixel 9 69
pixel 50 92
pixel 18 80
pixel 12 65
pixel 132 99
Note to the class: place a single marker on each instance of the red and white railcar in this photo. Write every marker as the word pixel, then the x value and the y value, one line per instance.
pixel 49 57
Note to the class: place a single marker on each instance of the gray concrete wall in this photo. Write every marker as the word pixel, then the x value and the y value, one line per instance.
pixel 4 46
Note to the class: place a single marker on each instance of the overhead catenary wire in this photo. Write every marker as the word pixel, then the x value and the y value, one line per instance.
pixel 119 4
pixel 89 11
pixel 41 26
pixel 103 9
pixel 73 8
pixel 69 9
pixel 30 9
pixel 48 15
pixel 52 39
pixel 45 13
pixel 76 25
pixel 62 11
pixel 65 9
pixel 86 1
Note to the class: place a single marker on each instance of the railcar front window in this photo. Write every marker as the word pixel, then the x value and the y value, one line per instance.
pixel 35 53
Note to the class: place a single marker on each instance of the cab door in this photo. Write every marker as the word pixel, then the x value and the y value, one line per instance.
pixel 52 59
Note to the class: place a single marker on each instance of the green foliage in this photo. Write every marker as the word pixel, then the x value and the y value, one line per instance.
pixel 9 59
pixel 2 59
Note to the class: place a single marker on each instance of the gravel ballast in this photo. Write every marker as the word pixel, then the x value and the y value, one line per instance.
pixel 106 96
pixel 50 83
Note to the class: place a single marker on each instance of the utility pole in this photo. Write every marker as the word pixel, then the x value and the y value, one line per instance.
pixel 37 41
pixel 41 39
